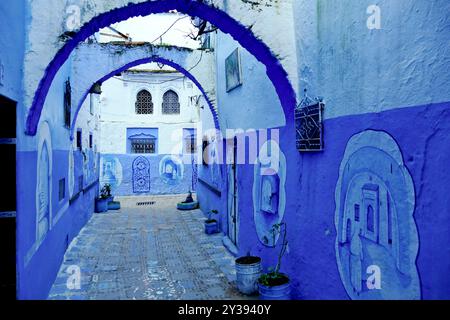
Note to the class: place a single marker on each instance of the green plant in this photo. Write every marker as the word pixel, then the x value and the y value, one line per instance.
pixel 210 213
pixel 105 193
pixel 274 277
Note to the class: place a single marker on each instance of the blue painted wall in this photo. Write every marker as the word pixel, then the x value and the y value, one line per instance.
pixel 38 273
pixel 310 209
pixel 393 81
pixel 122 177
pixel 395 84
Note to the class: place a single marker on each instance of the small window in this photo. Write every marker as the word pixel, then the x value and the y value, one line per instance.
pixel 79 140
pixel 91 140
pixel 171 103
pixel 144 103
pixel 62 189
pixel 143 146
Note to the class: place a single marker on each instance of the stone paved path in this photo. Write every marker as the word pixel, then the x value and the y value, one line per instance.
pixel 148 252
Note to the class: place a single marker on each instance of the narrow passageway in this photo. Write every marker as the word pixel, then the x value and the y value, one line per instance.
pixel 148 251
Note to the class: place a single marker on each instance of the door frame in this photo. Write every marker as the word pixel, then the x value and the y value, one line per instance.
pixel 232 194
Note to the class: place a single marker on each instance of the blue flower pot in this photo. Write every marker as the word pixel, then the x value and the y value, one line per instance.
pixel 187 206
pixel 101 205
pixel 278 292
pixel 211 227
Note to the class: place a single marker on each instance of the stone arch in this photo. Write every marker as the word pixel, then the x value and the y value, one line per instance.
pixel 219 18
pixel 138 62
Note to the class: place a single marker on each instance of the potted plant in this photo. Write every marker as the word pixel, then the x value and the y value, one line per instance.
pixel 211 225
pixel 248 271
pixel 275 285
pixel 101 203
pixel 107 189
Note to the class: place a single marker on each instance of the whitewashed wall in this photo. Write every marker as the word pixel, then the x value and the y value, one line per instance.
pixel 118 110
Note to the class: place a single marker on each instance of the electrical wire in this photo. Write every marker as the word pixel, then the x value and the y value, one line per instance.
pixel 168 29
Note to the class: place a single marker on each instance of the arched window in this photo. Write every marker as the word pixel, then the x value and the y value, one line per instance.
pixel 144 104
pixel 171 103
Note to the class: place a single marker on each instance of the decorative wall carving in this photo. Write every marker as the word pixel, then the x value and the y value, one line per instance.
pixel 141 175
pixel 43 216
pixel 374 219
pixel 111 171
pixel 44 183
pixel 269 194
pixel 171 169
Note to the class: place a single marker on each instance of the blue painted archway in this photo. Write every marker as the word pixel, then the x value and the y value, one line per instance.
pixel 220 19
pixel 144 61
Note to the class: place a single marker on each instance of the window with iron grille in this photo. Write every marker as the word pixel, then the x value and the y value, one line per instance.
pixel 143 146
pixel 171 103
pixel 144 103
pixel 67 103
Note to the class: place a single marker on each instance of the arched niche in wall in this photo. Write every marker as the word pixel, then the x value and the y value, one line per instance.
pixel 44 183
pixel 171 169
pixel 141 175
pixel 374 219
pixel 111 171
pixel 269 194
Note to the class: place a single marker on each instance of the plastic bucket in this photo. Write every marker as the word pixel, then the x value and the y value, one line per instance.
pixel 247 274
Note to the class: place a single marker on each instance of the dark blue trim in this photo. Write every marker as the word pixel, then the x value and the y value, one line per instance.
pixel 220 19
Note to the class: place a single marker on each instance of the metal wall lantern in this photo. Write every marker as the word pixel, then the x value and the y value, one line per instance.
pixel 309 124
